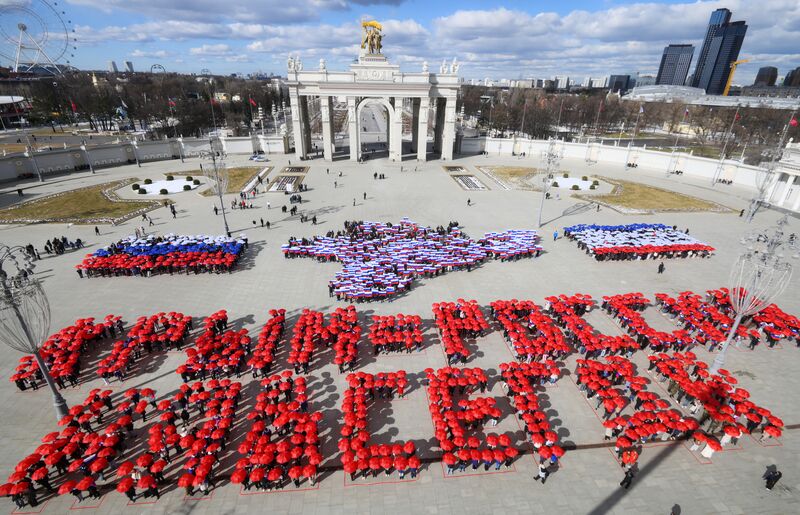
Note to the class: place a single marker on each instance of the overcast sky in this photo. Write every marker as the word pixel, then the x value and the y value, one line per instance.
pixel 509 39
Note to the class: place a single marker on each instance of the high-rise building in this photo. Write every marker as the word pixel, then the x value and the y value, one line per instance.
pixel 619 83
pixel 720 48
pixel 766 76
pixel 112 67
pixel 129 66
pixel 675 62
pixel 561 82
pixel 792 78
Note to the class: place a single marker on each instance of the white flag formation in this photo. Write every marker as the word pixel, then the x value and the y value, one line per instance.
pixel 636 241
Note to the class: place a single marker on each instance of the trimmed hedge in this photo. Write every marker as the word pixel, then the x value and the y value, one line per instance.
pixel 186 187
pixel 555 184
pixel 189 178
pixel 170 177
pixel 565 175
pixel 135 186
pixel 163 191
pixel 196 181
pixel 575 187
pixel 148 181
pixel 142 191
pixel 585 178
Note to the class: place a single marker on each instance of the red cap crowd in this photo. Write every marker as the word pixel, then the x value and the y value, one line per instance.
pixel 218 352
pixel 61 352
pixel 625 308
pixel 268 338
pixel 451 420
pixel 518 317
pixel 157 332
pixel 359 457
pixel 394 333
pixel 282 445
pixel 567 311
pixel 456 321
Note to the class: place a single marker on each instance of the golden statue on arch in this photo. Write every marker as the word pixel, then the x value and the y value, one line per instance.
pixel 372 37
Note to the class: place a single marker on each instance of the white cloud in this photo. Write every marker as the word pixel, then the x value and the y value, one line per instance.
pixel 143 53
pixel 211 50
pixel 498 42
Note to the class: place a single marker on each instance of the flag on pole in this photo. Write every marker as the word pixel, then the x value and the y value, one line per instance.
pixel 641 109
pixel 686 113
pixel 123 103
pixel 793 122
pixel 737 117
pixel 601 106
pixel 171 103
pixel 74 107
pixel 214 101
pixel 253 102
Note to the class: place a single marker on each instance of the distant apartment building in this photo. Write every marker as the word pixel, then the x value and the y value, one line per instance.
pixel 766 76
pixel 112 67
pixel 620 83
pixel 129 66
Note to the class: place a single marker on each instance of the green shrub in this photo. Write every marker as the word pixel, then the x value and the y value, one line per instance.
pixel 170 178
pixel 142 191
pixel 189 178
pixel 186 187
pixel 595 183
pixel 163 191
pixel 585 178
pixel 592 187
pixel 135 186
pixel 555 184
pixel 565 175
pixel 148 181
pixel 575 187
pixel 196 182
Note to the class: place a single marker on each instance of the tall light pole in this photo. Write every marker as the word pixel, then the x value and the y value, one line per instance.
pixel 551 159
pixel 25 313
pixel 218 173
pixel 761 273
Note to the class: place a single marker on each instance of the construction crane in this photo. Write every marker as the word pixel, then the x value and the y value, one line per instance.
pixel 730 76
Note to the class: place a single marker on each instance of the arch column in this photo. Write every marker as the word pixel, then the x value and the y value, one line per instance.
pixel 396 130
pixel 449 129
pixel 298 131
pixel 422 129
pixel 352 128
pixel 326 113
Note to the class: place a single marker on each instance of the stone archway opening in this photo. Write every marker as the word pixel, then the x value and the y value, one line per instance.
pixel 375 117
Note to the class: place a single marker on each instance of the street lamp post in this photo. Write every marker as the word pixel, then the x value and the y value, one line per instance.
pixel 218 173
pixel 761 273
pixel 25 313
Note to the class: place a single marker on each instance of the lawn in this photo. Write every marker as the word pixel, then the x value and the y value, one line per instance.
pixel 83 205
pixel 511 172
pixel 238 177
pixel 637 196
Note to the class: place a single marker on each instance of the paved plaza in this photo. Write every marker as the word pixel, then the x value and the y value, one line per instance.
pixel 587 480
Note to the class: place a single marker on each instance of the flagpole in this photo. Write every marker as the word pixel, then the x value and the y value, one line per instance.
pixel 597 118
pixel 718 171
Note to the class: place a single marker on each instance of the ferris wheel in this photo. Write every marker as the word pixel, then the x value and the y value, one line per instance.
pixel 35 36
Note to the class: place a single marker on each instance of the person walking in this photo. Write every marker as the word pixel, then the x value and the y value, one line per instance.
pixel 542 474
pixel 628 479
pixel 772 476
pixel 555 235
pixel 216 211
pixel 269 206
pixel 262 222
pixel 469 202
pixel 335 184
pixel 365 195
pixel 96 231
pixel 354 202
pixel 661 268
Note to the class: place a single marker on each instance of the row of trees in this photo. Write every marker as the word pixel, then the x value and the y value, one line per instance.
pixel 539 113
pixel 164 104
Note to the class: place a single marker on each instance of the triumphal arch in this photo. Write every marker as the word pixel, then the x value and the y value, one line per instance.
pixel 373 80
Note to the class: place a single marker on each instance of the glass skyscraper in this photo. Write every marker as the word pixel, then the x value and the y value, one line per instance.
pixel 675 64
pixel 720 48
